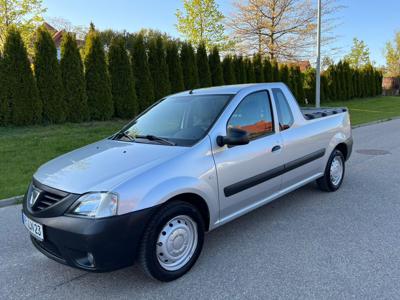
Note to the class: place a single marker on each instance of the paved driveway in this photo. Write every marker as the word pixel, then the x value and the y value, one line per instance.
pixel 308 244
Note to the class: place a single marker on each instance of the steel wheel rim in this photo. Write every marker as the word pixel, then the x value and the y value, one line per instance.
pixel 336 170
pixel 177 243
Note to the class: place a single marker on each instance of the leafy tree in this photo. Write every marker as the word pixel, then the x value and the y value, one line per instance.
pixel 97 80
pixel 392 54
pixel 309 86
pixel 48 77
pixel 189 67
pixel 359 54
pixel 258 68
pixel 122 83
pixel 281 29
pixel 202 66
pixel 214 60
pixel 26 15
pixel 158 67
pixel 202 22
pixel 267 69
pixel 141 72
pixel 240 69
pixel 22 104
pixel 73 80
pixel 228 71
pixel 174 67
pixel 250 74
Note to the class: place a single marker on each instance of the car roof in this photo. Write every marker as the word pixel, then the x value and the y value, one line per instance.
pixel 230 89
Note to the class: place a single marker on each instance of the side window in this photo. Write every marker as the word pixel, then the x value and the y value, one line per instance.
pixel 284 112
pixel 254 115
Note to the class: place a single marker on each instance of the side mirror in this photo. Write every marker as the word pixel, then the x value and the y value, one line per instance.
pixel 235 137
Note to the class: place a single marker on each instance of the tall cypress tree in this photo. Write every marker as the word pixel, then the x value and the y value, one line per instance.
pixel 239 69
pixel 48 77
pixel 73 80
pixel 202 66
pixel 97 79
pixel 258 68
pixel 141 73
pixel 284 74
pixel 21 104
pixel 214 61
pixel 299 82
pixel 275 72
pixel 174 67
pixel 250 74
pixel 189 67
pixel 122 83
pixel 228 71
pixel 267 69
pixel 292 82
pixel 3 106
pixel 158 67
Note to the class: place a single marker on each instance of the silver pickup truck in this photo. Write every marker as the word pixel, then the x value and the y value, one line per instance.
pixel 190 163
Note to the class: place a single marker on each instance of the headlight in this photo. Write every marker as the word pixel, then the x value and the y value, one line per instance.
pixel 96 205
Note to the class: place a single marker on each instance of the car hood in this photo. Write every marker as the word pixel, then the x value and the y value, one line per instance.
pixel 103 165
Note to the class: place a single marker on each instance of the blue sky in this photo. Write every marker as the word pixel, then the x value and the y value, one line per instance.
pixel 372 21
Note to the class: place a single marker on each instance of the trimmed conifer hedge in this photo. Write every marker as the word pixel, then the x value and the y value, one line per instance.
pixel 139 69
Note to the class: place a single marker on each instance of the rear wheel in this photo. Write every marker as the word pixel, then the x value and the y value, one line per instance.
pixel 172 242
pixel 334 172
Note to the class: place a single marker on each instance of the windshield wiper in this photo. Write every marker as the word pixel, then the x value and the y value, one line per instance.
pixel 156 138
pixel 124 134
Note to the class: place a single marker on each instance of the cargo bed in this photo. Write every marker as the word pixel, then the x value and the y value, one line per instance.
pixel 310 113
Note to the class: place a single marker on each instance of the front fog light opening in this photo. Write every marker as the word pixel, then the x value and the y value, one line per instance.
pixel 87 261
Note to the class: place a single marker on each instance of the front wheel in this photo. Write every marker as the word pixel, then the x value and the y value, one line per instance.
pixel 172 241
pixel 334 172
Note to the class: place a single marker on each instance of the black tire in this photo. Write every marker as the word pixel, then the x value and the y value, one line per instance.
pixel 147 253
pixel 325 183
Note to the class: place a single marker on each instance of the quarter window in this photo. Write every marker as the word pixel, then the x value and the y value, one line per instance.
pixel 283 109
pixel 254 115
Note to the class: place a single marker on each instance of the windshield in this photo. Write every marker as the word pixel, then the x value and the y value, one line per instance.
pixel 182 120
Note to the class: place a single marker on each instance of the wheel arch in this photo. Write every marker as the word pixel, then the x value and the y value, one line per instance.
pixel 198 202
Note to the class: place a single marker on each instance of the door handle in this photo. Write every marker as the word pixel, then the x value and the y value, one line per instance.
pixel 276 148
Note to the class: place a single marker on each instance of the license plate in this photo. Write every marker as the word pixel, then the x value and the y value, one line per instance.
pixel 34 228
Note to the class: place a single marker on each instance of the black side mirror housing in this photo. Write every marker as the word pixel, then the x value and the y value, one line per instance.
pixel 235 137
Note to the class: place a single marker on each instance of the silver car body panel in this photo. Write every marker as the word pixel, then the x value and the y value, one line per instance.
pixel 145 175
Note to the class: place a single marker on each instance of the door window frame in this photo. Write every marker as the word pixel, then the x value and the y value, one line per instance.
pixel 277 109
pixel 269 101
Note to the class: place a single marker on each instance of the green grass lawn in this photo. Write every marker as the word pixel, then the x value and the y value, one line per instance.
pixel 370 109
pixel 24 149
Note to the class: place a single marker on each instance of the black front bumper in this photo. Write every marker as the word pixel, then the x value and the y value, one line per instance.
pixel 112 242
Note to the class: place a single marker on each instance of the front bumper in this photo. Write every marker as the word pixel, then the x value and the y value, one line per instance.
pixel 92 244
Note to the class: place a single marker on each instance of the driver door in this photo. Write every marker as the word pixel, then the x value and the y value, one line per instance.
pixel 248 174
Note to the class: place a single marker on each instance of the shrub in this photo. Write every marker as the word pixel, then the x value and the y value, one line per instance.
pixel 214 61
pixel 174 67
pixel 267 69
pixel 73 80
pixel 227 68
pixel 189 67
pixel 97 79
pixel 141 73
pixel 250 74
pixel 21 105
pixel 202 66
pixel 48 77
pixel 158 67
pixel 239 69
pixel 258 68
pixel 122 83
